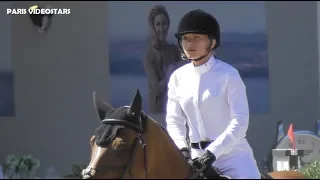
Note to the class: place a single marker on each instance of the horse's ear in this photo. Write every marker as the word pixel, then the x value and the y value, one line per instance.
pixel 135 106
pixel 102 108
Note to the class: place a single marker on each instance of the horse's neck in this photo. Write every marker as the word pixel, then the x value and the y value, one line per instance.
pixel 166 159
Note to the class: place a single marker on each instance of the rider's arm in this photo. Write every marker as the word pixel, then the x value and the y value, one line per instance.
pixel 237 99
pixel 175 118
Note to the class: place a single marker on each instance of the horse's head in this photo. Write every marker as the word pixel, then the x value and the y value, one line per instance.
pixel 117 141
pixel 130 144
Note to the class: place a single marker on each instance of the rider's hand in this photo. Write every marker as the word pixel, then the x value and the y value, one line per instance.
pixel 207 159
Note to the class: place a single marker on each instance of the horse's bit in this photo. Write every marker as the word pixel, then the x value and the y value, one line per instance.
pixel 89 171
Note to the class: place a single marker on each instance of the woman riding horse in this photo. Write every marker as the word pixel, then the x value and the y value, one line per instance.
pixel 129 144
pixel 210 96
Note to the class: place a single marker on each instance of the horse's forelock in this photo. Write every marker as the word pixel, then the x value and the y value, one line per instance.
pixel 106 133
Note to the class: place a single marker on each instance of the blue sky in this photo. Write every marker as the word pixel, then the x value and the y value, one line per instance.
pixel 129 18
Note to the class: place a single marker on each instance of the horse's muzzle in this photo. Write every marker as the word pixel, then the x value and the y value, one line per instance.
pixel 88 173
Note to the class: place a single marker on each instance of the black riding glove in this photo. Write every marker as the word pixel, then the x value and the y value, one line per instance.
pixel 186 153
pixel 205 160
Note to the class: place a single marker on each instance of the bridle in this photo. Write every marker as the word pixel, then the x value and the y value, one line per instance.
pixel 140 129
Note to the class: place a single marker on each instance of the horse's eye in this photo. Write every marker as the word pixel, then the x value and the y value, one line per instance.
pixel 122 147
pixel 122 151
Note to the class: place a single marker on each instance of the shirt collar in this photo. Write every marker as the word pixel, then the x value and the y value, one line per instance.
pixel 205 67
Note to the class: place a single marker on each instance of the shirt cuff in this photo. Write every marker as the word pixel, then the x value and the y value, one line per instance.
pixel 181 144
pixel 217 151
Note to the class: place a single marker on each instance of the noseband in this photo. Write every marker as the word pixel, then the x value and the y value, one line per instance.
pixel 89 171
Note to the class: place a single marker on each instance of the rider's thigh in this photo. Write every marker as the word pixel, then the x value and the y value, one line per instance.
pixel 240 165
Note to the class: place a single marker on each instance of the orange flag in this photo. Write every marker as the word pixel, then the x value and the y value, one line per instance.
pixel 291 136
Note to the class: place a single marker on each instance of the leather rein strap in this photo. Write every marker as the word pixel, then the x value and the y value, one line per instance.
pixel 139 140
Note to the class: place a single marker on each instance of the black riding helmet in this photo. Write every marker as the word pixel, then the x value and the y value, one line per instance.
pixel 201 22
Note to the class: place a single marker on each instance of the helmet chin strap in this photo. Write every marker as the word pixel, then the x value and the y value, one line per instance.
pixel 201 57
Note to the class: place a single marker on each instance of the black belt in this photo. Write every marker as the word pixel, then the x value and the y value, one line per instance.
pixel 201 145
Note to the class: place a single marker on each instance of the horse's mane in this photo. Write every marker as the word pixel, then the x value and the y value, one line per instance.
pixel 156 122
pixel 161 127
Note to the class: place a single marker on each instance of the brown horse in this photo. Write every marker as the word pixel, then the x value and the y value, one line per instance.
pixel 129 144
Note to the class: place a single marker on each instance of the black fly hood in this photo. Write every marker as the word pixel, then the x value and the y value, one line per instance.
pixel 114 119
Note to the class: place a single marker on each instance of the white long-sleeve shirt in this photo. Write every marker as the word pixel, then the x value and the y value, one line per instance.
pixel 212 99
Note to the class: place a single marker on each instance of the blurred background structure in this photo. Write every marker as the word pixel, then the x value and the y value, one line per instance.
pixel 53 75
